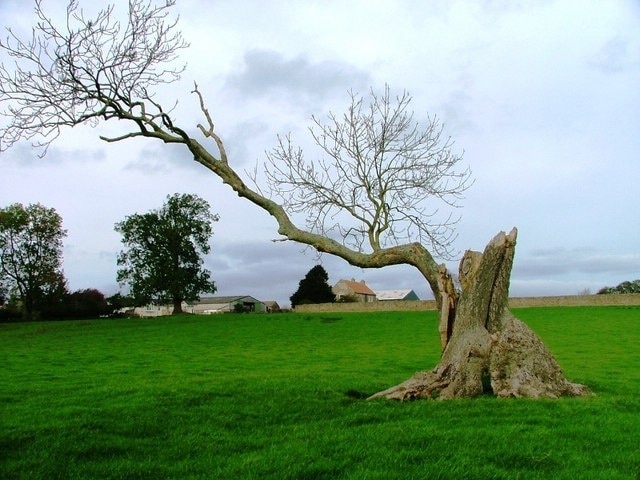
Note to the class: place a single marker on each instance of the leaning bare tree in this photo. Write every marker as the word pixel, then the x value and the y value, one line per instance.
pixel 381 170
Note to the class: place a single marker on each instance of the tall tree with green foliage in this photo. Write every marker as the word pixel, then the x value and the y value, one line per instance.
pixel 313 288
pixel 31 255
pixel 162 260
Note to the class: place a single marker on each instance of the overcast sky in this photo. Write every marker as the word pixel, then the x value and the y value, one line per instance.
pixel 542 96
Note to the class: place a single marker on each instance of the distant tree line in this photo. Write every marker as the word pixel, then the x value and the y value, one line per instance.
pixel 65 305
pixel 624 287
pixel 161 263
pixel 32 284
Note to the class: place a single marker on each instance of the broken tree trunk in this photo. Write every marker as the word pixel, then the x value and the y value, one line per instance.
pixel 485 349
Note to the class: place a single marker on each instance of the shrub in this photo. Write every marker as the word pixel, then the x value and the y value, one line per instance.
pixel 624 287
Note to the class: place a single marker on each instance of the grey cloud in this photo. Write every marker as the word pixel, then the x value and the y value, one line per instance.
pixel 243 137
pixel 156 159
pixel 561 252
pixel 561 261
pixel 501 7
pixel 257 254
pixel 617 55
pixel 267 72
pixel 108 256
pixel 456 110
pixel 272 270
pixel 160 159
pixel 148 165
pixel 265 270
pixel 27 156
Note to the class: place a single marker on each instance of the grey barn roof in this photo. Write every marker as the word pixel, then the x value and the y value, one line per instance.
pixel 393 294
pixel 224 299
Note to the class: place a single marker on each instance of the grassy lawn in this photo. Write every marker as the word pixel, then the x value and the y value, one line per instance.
pixel 281 396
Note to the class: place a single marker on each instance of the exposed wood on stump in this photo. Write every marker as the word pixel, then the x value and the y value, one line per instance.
pixel 486 350
pixel 449 299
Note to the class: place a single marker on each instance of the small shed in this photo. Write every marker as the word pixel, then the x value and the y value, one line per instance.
pixel 389 295
pixel 271 306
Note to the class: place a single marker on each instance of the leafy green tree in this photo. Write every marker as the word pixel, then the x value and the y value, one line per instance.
pixel 313 288
pixel 31 255
pixel 162 260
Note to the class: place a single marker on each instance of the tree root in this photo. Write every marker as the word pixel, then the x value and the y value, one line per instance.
pixel 510 363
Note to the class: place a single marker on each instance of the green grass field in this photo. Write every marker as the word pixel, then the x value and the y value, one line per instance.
pixel 281 396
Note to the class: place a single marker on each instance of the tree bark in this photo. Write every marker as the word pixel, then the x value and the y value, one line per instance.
pixel 486 350
pixel 177 306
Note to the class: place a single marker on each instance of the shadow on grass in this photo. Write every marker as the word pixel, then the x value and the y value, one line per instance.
pixel 357 395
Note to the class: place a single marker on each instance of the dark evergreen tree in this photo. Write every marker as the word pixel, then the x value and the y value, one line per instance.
pixel 313 288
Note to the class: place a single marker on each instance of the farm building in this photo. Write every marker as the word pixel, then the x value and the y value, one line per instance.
pixel 350 288
pixel 271 306
pixel 206 305
pixel 209 305
pixel 152 310
pixel 389 295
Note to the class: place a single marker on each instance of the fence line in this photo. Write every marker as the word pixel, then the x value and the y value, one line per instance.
pixel 515 302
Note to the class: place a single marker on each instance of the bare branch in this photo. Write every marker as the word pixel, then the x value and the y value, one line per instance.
pixel 121 137
pixel 378 167
pixel 86 70
pixel 208 132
